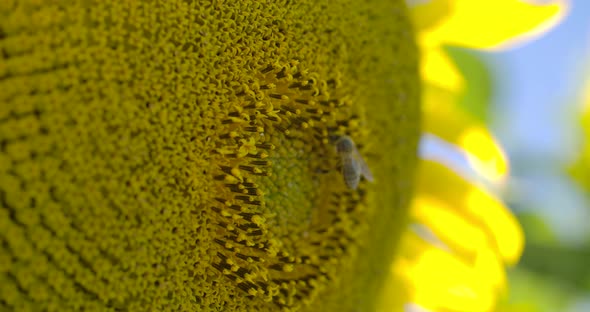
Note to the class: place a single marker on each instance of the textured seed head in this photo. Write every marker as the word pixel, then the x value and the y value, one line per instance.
pixel 179 155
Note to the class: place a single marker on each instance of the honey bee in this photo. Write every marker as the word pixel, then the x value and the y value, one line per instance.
pixel 353 164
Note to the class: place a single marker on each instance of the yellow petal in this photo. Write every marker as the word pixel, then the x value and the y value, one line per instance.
pixel 430 14
pixel 483 153
pixel 580 167
pixel 499 220
pixel 462 236
pixel 438 69
pixel 473 204
pixel 440 113
pixel 474 236
pixel 441 117
pixel 494 23
pixel 457 287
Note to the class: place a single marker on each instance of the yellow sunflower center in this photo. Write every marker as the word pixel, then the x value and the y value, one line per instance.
pixel 281 218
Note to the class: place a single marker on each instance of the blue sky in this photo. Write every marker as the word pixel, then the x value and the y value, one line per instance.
pixel 534 116
pixel 540 84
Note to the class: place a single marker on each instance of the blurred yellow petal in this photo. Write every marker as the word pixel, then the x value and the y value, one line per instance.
pixel 442 118
pixel 463 237
pixel 493 23
pixel 440 281
pixel 430 14
pixel 490 269
pixel 580 167
pixel 453 257
pixel 500 221
pixel 438 100
pixel 473 204
pixel 484 153
pixel 441 115
pixel 438 69
pixel 440 112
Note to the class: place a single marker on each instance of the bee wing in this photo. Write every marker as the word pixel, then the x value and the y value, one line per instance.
pixel 364 168
pixel 351 175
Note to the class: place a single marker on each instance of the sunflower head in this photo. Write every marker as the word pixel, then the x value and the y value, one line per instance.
pixel 180 154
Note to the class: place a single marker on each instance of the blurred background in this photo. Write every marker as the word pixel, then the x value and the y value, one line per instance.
pixel 533 98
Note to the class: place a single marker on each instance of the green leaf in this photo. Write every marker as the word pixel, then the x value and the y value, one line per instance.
pixel 531 292
pixel 478 93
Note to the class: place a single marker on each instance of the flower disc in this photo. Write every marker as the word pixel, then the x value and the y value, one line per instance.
pixel 179 155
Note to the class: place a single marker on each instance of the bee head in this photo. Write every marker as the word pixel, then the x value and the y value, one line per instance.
pixel 344 145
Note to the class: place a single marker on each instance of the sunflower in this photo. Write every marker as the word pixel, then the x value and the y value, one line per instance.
pixel 460 236
pixel 580 165
pixel 180 155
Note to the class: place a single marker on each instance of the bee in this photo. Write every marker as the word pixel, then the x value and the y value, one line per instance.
pixel 353 164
